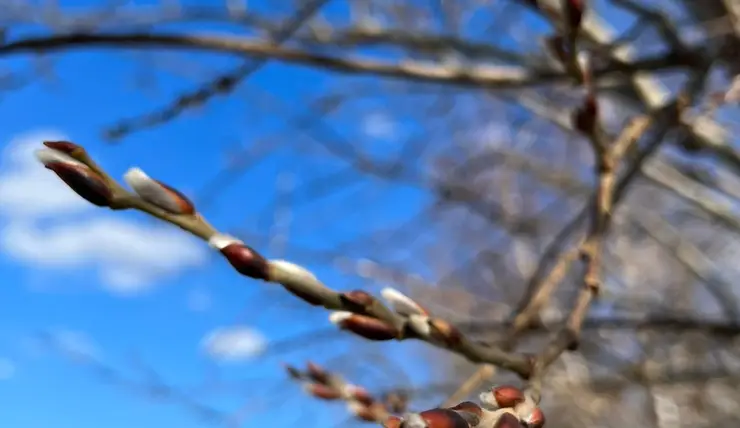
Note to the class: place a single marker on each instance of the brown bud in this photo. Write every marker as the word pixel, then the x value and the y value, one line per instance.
pixel 86 183
pixel 365 326
pixel 360 395
pixel 470 411
pixel 157 193
pixel 393 422
pixel 358 300
pixel 66 147
pixel 323 392
pixel 585 117
pixel 536 419
pixel 246 261
pixel 507 420
pixel 443 418
pixel 316 372
pixel 507 396
pixel 445 332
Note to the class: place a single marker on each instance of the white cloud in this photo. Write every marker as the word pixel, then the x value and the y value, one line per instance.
pixel 234 343
pixel 379 125
pixel 7 369
pixel 129 256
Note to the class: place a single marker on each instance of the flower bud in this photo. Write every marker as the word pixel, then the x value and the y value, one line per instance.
pixel 470 411
pixel 244 259
pixel 322 391
pixel 505 396
pixel 288 273
pixel 316 372
pixel 585 117
pixel 507 420
pixel 535 419
pixel 66 147
pixel 157 193
pixel 359 394
pixel 361 325
pixel 401 303
pixel 78 176
pixel 358 299
pixel 445 332
pixel 438 418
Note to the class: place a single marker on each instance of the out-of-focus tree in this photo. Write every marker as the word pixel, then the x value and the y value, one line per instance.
pixel 573 162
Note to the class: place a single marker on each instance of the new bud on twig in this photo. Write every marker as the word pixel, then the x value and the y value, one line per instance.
pixel 444 332
pixel 535 419
pixel 157 193
pixel 470 411
pixel 365 326
pixel 67 147
pixel 322 391
pixel 244 259
pixel 359 394
pixel 288 274
pixel 500 397
pixel 78 176
pixel 358 300
pixel 436 418
pixel 507 420
pixel 401 303
pixel 317 373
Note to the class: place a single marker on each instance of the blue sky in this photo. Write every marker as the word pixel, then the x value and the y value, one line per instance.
pixel 96 279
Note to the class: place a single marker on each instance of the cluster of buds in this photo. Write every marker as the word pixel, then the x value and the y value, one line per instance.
pixel 417 320
pixel 501 407
pixel 324 385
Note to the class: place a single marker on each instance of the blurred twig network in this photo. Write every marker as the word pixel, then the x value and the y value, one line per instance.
pixel 539 195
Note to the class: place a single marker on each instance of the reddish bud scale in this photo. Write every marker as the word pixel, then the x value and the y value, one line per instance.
pixel 469 407
pixel 444 418
pixel 358 299
pixel 586 117
pixel 323 392
pixel 89 185
pixel 536 419
pixel 184 205
pixel 361 395
pixel 64 147
pixel 316 372
pixel 393 422
pixel 507 420
pixel 446 332
pixel 508 396
pixel 369 328
pixel 246 261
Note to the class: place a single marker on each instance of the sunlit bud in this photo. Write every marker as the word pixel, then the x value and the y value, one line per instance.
pixel 507 420
pixel 322 391
pixel 401 303
pixel 157 193
pixel 361 325
pixel 244 259
pixel 288 274
pixel 420 324
pixel 535 419
pixel 437 418
pixel 358 299
pixel 502 397
pixel 316 372
pixel 78 176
